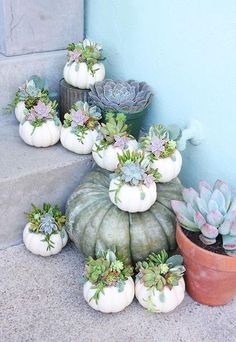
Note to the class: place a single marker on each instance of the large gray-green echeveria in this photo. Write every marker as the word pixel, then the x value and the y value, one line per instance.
pixel 121 96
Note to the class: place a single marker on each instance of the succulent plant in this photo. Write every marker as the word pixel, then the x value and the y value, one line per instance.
pixel 158 143
pixel 30 92
pixel 121 96
pixel 41 112
pixel 158 270
pixel 108 269
pixel 82 117
pixel 212 211
pixel 134 170
pixel 85 51
pixel 47 220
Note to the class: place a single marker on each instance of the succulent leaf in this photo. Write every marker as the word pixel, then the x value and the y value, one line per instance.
pixel 215 218
pixel 209 231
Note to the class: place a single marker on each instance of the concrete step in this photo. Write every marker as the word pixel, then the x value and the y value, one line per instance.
pixel 41 300
pixel 15 70
pixel 32 175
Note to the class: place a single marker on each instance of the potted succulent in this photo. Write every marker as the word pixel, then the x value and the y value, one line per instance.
pixel 112 140
pixel 159 285
pixel 161 151
pixel 79 130
pixel 133 187
pixel 129 97
pixel 84 67
pixel 41 126
pixel 44 234
pixel 108 284
pixel 27 96
pixel 206 236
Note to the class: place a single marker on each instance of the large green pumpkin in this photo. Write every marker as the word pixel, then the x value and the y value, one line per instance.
pixel 94 223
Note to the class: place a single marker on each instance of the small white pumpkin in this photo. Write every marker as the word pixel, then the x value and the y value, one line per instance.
pixel 161 301
pixel 82 78
pixel 169 167
pixel 70 141
pixel 132 198
pixel 19 111
pixel 43 136
pixel 107 158
pixel 111 300
pixel 35 244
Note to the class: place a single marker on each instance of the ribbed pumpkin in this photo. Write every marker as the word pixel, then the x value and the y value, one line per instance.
pixel 94 223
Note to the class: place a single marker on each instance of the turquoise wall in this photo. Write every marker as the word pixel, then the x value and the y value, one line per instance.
pixel 186 51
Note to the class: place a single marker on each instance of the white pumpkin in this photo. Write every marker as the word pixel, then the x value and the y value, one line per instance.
pixel 169 167
pixel 70 141
pixel 35 244
pixel 107 158
pixel 82 78
pixel 111 300
pixel 19 111
pixel 43 136
pixel 132 198
pixel 161 301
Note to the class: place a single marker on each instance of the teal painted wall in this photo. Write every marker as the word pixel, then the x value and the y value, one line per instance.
pixel 186 51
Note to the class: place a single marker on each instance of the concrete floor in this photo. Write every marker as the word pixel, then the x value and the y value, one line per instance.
pixel 41 300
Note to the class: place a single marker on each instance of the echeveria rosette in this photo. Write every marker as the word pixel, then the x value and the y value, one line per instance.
pixel 81 118
pixel 157 143
pixel 121 96
pixel 30 92
pixel 212 211
pixel 42 112
pixel 85 51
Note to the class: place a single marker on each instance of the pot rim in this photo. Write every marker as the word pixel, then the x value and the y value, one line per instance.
pixel 223 263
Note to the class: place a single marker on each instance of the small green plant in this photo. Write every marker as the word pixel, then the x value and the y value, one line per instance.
pixel 134 170
pixel 108 269
pixel 30 93
pixel 85 51
pixel 81 118
pixel 157 142
pixel 158 271
pixel 113 131
pixel 47 220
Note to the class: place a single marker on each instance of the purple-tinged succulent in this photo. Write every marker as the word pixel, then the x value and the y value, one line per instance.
pixel 73 56
pixel 121 141
pixel 148 180
pixel 78 118
pixel 43 110
pixel 121 96
pixel 156 146
pixel 48 224
pixel 212 211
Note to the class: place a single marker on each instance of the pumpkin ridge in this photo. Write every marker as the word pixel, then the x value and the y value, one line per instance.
pixel 162 226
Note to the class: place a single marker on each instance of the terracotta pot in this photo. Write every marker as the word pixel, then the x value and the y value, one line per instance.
pixel 210 277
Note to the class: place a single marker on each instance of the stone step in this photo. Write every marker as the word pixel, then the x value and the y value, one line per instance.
pixel 32 175
pixel 15 70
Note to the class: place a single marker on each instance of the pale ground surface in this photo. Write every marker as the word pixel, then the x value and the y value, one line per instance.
pixel 41 300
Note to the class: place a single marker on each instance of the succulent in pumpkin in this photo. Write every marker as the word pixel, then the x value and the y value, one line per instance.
pixel 211 211
pixel 30 92
pixel 108 269
pixel 85 51
pixel 121 96
pixel 81 118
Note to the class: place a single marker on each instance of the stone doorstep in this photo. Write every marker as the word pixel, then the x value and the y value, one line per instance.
pixel 32 175
pixel 39 26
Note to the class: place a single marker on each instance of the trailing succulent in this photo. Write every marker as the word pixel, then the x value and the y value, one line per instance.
pixel 113 131
pixel 121 96
pixel 134 170
pixel 158 143
pixel 82 118
pixel 30 92
pixel 108 269
pixel 47 220
pixel 85 51
pixel 211 212
pixel 41 112
pixel 158 271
